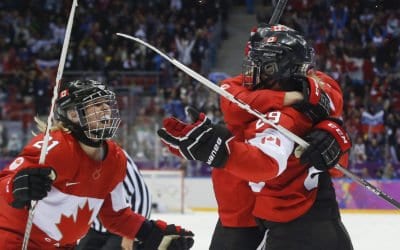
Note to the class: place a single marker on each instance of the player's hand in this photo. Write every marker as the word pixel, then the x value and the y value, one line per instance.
pixel 31 184
pixel 200 140
pixel 328 142
pixel 158 235
pixel 127 244
pixel 316 104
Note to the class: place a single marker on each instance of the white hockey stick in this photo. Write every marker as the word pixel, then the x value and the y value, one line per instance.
pixel 43 150
pixel 261 116
pixel 278 10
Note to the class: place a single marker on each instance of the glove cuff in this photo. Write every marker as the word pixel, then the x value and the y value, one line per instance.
pixel 336 131
pixel 315 91
pixel 8 194
pixel 145 230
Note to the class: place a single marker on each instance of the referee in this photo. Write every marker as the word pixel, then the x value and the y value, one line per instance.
pixel 137 194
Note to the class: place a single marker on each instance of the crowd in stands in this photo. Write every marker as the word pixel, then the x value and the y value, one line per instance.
pixel 356 42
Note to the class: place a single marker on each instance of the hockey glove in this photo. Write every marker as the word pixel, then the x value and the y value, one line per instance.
pixel 316 104
pixel 328 142
pixel 200 140
pixel 31 184
pixel 157 235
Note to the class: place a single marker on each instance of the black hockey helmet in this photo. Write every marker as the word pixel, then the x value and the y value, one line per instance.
pixel 276 52
pixel 96 107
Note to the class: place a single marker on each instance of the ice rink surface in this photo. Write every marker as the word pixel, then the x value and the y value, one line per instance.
pixel 369 231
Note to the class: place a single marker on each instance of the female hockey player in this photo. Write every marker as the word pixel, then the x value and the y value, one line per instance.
pixel 257 177
pixel 89 168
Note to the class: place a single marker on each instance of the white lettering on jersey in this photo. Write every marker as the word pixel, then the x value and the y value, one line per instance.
pixel 311 181
pixel 16 163
pixel 225 86
pixel 259 124
pixel 51 144
pixel 274 117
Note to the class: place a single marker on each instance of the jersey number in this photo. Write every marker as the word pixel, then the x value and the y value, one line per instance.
pixel 274 117
pixel 51 144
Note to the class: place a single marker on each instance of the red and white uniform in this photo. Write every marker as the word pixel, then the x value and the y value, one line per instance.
pixel 83 189
pixel 236 210
pixel 279 185
pixel 272 175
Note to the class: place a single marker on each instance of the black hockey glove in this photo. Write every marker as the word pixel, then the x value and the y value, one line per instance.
pixel 328 142
pixel 31 184
pixel 316 104
pixel 200 140
pixel 155 235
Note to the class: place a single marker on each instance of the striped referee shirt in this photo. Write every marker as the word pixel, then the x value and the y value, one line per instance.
pixel 136 193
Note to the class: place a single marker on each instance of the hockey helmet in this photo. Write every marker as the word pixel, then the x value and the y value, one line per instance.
pixel 96 108
pixel 275 53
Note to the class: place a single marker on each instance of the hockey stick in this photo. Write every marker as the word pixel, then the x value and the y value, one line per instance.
pixel 261 116
pixel 278 10
pixel 43 150
pixel 276 15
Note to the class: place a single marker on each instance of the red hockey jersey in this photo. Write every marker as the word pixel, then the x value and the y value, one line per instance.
pixel 236 210
pixel 83 189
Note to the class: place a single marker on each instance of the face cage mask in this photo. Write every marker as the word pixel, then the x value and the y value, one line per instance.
pixel 99 117
pixel 252 72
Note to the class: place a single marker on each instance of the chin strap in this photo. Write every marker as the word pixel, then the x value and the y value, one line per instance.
pixel 78 133
pixel 80 136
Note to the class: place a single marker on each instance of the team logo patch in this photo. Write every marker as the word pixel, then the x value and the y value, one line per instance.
pixel 16 163
pixel 271 39
pixel 279 28
pixel 64 93
pixel 225 86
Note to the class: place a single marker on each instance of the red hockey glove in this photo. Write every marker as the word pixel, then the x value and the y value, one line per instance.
pixel 328 142
pixel 155 235
pixel 31 184
pixel 316 104
pixel 201 140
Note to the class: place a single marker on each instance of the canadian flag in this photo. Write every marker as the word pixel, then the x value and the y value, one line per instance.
pixel 64 93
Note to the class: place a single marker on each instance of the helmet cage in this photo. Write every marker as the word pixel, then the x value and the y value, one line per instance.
pixel 99 115
pixel 266 62
pixel 95 105
pixel 275 53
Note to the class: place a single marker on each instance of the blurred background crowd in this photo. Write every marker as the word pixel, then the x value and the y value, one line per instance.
pixel 356 42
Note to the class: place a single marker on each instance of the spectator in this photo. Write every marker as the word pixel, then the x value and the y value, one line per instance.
pixel 14 145
pixel 3 139
pixel 185 47
pixel 365 173
pixel 374 151
pixel 388 172
pixel 358 152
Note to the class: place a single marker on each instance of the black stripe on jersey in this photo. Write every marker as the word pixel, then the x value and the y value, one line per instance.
pixel 140 203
